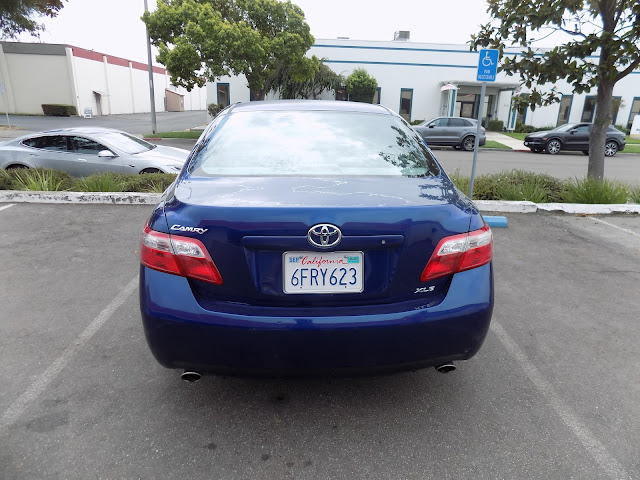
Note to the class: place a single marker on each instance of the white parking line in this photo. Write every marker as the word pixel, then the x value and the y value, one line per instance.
pixel 18 407
pixel 615 226
pixel 7 206
pixel 594 447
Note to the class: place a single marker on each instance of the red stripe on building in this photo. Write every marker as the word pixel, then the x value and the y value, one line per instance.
pixel 122 62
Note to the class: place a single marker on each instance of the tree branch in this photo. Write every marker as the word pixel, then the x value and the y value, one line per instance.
pixel 632 66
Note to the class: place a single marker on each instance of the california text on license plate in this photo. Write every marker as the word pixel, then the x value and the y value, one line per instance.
pixel 323 272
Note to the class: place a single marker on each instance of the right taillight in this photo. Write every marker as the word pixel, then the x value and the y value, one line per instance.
pixel 178 255
pixel 458 253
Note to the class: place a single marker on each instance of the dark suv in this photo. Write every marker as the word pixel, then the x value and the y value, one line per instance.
pixel 457 132
pixel 573 136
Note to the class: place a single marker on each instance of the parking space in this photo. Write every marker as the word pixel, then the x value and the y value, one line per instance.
pixel 552 394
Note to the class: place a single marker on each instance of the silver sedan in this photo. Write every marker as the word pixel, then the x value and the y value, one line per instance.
pixel 84 151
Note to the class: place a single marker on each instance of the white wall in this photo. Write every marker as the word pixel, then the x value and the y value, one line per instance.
pixel 32 80
pixel 425 68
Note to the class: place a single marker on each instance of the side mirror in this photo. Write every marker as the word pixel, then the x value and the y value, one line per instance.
pixel 431 125
pixel 106 154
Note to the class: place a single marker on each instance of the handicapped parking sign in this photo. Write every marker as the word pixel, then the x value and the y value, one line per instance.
pixel 488 65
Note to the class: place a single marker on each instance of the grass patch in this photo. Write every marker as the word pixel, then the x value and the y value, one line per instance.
pixel 493 144
pixel 519 136
pixel 99 182
pixel 195 135
pixel 593 191
pixel 632 140
pixel 39 180
pixel 634 194
pixel 631 149
pixel 54 180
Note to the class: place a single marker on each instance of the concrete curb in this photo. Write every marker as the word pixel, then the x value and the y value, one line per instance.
pixel 119 198
pixel 133 198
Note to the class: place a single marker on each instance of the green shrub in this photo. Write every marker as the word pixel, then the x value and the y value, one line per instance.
pixel 214 109
pixel 522 128
pixel 41 180
pixel 595 191
pixel 459 181
pixel 147 182
pixel 634 194
pixel 624 129
pixel 495 126
pixel 416 122
pixel 59 110
pixel 544 129
pixel 361 86
pixel 6 180
pixel 100 182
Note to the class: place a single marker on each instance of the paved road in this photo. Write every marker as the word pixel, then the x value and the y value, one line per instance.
pixel 553 393
pixel 138 123
pixel 623 167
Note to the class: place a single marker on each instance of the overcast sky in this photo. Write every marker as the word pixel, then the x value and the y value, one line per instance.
pixel 114 26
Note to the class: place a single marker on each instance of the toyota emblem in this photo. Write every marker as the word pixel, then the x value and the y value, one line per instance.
pixel 324 235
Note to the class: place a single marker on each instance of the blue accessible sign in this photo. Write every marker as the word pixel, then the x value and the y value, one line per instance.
pixel 488 65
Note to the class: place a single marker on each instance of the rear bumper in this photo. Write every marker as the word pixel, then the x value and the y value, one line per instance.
pixel 181 334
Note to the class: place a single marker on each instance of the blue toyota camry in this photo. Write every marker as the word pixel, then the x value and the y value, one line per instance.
pixel 312 237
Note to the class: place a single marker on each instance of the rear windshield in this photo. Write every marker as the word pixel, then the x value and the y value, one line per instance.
pixel 313 143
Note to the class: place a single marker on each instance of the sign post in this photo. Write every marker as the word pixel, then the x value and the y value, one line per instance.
pixel 487 68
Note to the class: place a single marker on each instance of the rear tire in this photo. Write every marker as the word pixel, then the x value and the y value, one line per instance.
pixel 468 143
pixel 151 170
pixel 610 148
pixel 553 146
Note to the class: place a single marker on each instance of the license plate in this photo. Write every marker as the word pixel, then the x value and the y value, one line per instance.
pixel 331 272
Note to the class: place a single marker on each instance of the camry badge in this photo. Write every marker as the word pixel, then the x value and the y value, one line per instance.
pixel 324 235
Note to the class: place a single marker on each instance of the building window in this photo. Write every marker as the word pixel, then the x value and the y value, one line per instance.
pixel 565 109
pixel 376 96
pixel 406 101
pixel 589 109
pixel 635 110
pixel 223 95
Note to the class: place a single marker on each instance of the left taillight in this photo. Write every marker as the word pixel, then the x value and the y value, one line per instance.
pixel 458 253
pixel 178 255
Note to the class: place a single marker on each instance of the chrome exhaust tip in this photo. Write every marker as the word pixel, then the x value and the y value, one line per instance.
pixel 190 377
pixel 446 367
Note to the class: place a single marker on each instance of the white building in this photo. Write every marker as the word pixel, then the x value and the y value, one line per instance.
pixel 38 73
pixel 424 80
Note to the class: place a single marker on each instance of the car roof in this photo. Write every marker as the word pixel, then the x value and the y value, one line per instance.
pixel 82 130
pixel 309 105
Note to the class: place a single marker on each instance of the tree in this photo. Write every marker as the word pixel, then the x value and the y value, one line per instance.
pixel 16 16
pixel 324 79
pixel 201 40
pixel 361 86
pixel 606 34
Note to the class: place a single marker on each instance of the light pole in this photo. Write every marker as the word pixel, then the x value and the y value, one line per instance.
pixel 152 96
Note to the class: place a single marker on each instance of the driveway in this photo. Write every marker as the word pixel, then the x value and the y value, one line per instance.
pixel 137 123
pixel 553 393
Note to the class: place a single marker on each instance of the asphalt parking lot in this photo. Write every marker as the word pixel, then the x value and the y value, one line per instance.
pixel 553 393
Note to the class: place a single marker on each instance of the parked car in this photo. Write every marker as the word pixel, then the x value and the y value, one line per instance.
pixel 313 237
pixel 87 150
pixel 455 132
pixel 573 136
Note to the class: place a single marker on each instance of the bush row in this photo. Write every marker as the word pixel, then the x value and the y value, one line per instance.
pixel 59 110
pixel 507 185
pixel 38 179
pixel 519 185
